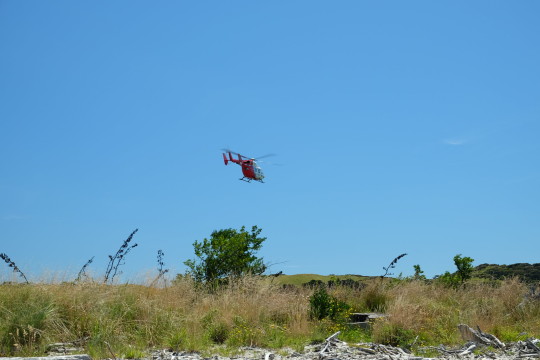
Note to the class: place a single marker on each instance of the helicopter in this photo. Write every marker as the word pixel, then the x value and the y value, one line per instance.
pixel 250 168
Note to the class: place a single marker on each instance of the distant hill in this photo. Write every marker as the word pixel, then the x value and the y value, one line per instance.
pixel 526 272
pixel 301 279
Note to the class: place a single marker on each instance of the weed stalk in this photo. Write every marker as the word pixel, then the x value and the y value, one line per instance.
pixel 82 272
pixel 116 260
pixel 392 265
pixel 12 264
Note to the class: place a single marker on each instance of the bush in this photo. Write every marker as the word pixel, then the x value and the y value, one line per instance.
pixel 218 333
pixel 323 305
pixel 228 253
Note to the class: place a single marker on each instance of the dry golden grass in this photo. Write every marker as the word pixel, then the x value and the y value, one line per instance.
pixel 433 311
pixel 249 311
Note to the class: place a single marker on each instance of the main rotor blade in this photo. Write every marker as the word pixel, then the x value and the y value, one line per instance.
pixel 264 156
pixel 247 157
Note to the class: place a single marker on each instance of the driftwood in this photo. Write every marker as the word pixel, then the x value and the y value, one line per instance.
pixel 528 348
pixel 62 357
pixel 66 348
pixel 329 341
pixel 479 337
pixel 533 346
pixel 468 350
pixel 366 350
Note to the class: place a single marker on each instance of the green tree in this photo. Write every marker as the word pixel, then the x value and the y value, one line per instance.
pixel 418 273
pixel 228 253
pixel 463 273
pixel 464 267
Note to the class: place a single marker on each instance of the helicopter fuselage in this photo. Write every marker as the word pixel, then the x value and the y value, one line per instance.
pixel 250 169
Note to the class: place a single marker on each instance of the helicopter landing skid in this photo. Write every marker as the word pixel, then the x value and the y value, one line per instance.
pixel 249 180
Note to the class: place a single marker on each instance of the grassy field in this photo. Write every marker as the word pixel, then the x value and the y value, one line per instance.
pixel 253 311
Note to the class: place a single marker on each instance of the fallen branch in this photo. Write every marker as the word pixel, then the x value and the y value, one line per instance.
pixel 479 337
pixel 468 350
pixel 329 341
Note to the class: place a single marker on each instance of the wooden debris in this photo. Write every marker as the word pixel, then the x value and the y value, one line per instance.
pixel 367 350
pixel 533 346
pixel 329 341
pixel 63 357
pixel 492 338
pixel 468 350
pixel 62 349
pixel 528 348
pixel 479 337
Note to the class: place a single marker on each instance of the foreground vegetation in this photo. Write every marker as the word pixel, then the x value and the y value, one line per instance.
pixel 223 302
pixel 254 311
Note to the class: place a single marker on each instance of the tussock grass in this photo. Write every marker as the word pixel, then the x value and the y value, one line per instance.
pixel 432 312
pixel 249 311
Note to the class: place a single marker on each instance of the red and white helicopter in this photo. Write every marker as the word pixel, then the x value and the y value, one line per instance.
pixel 250 169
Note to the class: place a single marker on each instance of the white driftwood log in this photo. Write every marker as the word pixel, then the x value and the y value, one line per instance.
pixel 479 337
pixel 62 357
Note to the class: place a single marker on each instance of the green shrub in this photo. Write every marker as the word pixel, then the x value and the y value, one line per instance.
pixel 322 305
pixel 218 333
pixel 448 279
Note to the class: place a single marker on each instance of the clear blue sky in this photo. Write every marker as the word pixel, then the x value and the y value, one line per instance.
pixel 400 126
